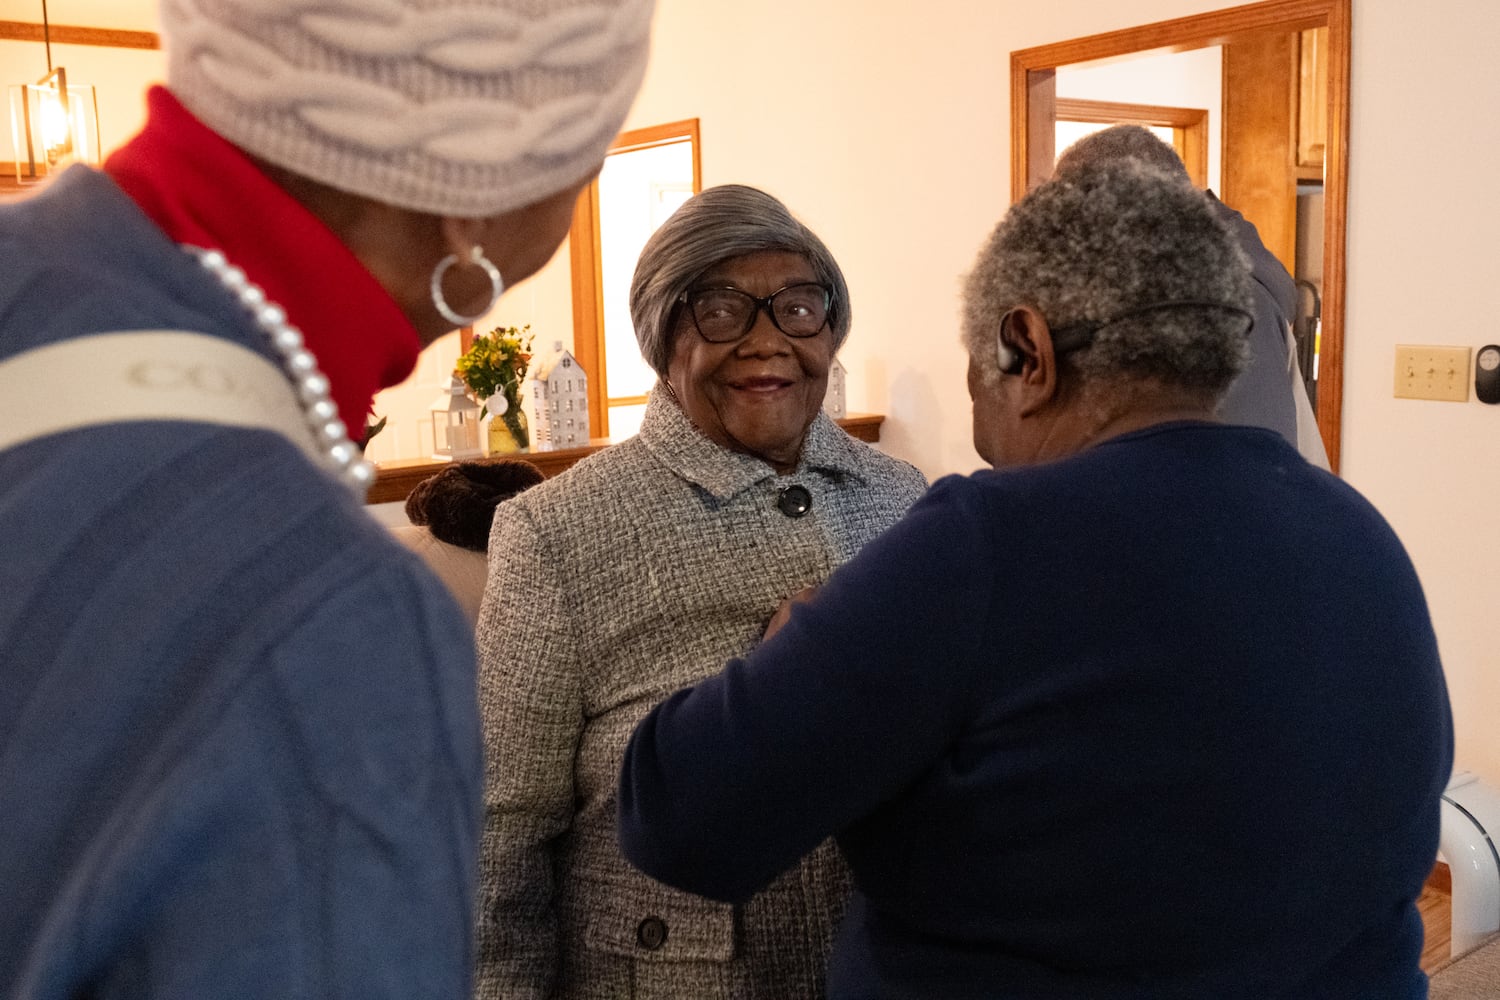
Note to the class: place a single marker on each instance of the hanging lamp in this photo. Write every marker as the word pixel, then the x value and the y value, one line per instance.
pixel 52 123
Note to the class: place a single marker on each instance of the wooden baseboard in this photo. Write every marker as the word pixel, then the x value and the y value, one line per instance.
pixel 1436 908
pixel 1441 878
pixel 394 480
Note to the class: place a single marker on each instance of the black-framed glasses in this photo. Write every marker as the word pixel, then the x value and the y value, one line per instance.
pixel 727 314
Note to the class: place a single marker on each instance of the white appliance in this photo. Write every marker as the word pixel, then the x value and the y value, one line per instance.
pixel 1469 841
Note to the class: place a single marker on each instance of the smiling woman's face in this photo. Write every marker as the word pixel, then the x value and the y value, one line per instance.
pixel 758 394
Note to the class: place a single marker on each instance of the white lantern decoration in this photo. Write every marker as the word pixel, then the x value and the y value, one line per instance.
pixel 455 424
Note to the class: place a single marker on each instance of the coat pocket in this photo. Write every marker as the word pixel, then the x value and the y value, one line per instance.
pixel 649 922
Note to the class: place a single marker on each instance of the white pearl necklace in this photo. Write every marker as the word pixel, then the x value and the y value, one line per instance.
pixel 344 457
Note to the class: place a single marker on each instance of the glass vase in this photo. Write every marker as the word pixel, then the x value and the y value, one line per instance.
pixel 509 432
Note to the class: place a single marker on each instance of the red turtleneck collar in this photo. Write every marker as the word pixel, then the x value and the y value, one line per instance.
pixel 202 190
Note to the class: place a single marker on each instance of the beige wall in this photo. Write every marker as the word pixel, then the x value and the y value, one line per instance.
pixel 128 15
pixel 1423 268
pixel 884 124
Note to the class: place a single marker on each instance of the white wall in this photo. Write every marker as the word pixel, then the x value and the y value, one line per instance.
pixel 126 15
pixel 1423 218
pixel 887 129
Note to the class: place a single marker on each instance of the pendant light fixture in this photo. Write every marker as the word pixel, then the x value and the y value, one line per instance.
pixel 52 123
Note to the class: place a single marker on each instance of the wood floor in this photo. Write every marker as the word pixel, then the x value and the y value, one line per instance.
pixel 1436 907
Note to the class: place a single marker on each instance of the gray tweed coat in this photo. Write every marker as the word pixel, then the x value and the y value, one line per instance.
pixel 639 571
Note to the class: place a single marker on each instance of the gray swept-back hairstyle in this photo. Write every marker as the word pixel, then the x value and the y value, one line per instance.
pixel 1120 141
pixel 1102 239
pixel 719 223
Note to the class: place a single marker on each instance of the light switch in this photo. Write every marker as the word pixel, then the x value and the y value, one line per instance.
pixel 1428 372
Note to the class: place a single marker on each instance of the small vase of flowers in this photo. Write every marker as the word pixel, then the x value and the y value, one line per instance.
pixel 494 368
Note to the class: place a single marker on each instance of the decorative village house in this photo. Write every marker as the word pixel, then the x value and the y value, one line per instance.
pixel 560 394
pixel 833 400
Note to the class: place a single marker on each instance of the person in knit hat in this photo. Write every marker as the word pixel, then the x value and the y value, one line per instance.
pixel 239 743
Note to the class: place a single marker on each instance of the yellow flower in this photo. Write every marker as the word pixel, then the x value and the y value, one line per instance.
pixel 497 362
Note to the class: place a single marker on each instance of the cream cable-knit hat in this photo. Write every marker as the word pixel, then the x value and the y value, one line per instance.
pixel 466 108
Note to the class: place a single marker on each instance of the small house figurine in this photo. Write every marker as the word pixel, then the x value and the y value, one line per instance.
pixel 833 400
pixel 560 393
pixel 455 423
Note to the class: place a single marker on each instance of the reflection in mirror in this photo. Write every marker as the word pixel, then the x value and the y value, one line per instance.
pixel 646 176
pixel 1184 129
pixel 1284 110
pixel 1177 90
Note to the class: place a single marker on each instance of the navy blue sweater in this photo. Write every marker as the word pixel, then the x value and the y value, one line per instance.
pixel 1165 719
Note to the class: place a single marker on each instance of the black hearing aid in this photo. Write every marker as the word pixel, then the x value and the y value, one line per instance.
pixel 1009 359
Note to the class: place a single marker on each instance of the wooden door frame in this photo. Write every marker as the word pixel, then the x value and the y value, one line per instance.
pixel 1033 92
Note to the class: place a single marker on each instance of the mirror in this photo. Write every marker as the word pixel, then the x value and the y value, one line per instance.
pixel 648 173
pixel 1280 147
pixel 1184 129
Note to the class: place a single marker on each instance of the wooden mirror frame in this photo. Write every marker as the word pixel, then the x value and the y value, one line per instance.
pixel 584 257
pixel 1032 75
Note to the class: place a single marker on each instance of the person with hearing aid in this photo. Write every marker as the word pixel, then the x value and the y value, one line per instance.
pixel 1153 709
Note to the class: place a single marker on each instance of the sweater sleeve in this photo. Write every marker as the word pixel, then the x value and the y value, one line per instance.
pixel 310 832
pixel 396 743
pixel 728 783
pixel 530 699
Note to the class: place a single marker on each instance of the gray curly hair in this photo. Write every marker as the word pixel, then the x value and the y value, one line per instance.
pixel 1119 141
pixel 1105 238
pixel 722 222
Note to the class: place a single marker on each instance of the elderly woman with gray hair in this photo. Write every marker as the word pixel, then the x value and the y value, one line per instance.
pixel 1152 710
pixel 641 570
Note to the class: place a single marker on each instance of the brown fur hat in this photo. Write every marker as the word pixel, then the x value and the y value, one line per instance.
pixel 458 504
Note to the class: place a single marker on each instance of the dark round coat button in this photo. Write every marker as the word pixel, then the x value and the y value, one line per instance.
pixel 651 933
pixel 794 501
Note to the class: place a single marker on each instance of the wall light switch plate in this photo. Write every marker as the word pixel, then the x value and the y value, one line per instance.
pixel 1428 372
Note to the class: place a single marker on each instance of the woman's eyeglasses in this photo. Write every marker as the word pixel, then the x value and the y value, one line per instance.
pixel 727 314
